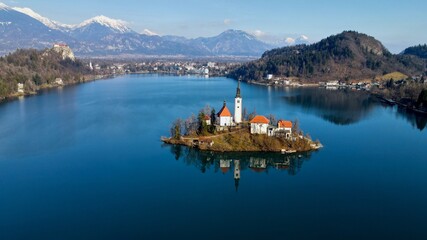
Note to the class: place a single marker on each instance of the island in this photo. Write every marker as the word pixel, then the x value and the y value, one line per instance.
pixel 223 132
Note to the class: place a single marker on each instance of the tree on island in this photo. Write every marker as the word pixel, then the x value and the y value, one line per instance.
pixel 213 116
pixel 176 129
pixel 273 119
pixel 202 125
pixel 295 127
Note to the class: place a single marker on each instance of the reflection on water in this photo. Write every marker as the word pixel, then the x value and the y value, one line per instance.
pixel 416 120
pixel 342 107
pixel 345 106
pixel 238 163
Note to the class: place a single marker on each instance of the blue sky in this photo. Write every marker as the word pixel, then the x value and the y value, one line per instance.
pixel 397 24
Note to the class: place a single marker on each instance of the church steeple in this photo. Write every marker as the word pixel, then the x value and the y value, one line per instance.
pixel 238 106
pixel 238 91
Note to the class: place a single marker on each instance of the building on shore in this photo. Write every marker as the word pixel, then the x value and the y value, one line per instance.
pixel 20 88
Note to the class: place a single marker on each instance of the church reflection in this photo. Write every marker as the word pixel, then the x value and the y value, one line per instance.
pixel 239 164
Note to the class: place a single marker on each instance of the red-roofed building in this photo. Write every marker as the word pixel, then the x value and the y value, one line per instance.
pixel 284 128
pixel 284 124
pixel 259 125
pixel 224 116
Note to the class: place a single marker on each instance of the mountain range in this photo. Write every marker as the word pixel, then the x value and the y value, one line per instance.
pixel 102 36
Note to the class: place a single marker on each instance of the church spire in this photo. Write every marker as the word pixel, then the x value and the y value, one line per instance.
pixel 238 90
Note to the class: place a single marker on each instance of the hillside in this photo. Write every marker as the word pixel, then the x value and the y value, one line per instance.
pixel 37 69
pixel 419 51
pixel 346 56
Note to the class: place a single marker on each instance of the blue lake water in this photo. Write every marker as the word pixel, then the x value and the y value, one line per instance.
pixel 86 162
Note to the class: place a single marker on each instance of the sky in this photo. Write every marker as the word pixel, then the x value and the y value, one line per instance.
pixel 396 23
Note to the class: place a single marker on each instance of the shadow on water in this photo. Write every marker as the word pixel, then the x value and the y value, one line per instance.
pixel 341 107
pixel 239 162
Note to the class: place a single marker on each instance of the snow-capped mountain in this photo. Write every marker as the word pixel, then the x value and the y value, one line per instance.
pixel 100 36
pixel 18 30
pixel 149 32
pixel 46 21
pixel 115 25
pixel 289 41
pixel 99 28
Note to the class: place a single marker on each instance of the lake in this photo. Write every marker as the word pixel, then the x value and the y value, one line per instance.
pixel 86 162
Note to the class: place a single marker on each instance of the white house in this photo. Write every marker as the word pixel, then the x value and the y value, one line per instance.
pixel 259 125
pixel 59 81
pixel 238 106
pixel 20 88
pixel 332 84
pixel 284 128
pixel 224 116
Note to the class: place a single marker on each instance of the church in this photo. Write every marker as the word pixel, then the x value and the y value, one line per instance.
pixel 225 118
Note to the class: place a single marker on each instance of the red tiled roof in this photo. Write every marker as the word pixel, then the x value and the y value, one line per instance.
pixel 224 112
pixel 260 119
pixel 207 117
pixel 224 169
pixel 284 124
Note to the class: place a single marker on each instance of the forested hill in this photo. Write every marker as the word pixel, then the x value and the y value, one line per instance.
pixel 419 51
pixel 36 69
pixel 346 56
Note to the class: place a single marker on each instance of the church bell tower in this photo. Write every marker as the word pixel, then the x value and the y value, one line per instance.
pixel 238 106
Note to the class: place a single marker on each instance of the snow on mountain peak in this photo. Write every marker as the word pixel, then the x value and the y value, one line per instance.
pixel 303 37
pixel 115 24
pixel 149 32
pixel 46 21
pixel 4 6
